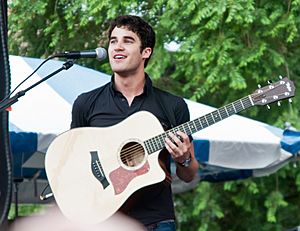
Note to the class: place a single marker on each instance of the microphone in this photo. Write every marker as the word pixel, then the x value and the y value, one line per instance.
pixel 99 53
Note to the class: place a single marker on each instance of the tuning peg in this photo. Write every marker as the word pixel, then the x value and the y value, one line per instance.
pixel 280 77
pixel 268 106
pixel 269 81
pixel 258 85
pixel 290 100
pixel 279 103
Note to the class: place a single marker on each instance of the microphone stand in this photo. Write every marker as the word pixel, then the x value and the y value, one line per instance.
pixel 4 104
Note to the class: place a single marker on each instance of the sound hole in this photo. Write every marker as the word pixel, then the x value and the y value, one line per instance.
pixel 132 154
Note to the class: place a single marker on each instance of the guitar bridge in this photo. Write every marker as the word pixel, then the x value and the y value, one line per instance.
pixel 97 169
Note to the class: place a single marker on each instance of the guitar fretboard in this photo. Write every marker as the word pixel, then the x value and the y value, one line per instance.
pixel 158 142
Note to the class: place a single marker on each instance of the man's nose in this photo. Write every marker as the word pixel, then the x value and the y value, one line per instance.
pixel 119 46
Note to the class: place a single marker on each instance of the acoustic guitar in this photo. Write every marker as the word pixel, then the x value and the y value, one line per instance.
pixel 92 171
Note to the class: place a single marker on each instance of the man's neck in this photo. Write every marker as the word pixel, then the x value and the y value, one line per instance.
pixel 130 86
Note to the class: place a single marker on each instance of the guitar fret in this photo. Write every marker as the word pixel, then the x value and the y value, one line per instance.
pixel 212 117
pixel 226 111
pixel 241 104
pixel 200 123
pixel 156 140
pixel 187 129
pixel 234 108
pixel 192 127
pixel 164 136
pixel 250 100
pixel 203 122
pixel 238 105
pixel 247 101
pixel 151 145
pixel 231 109
pixel 223 113
pixel 219 112
pixel 216 115
pixel 209 119
pixel 154 143
pixel 182 128
pixel 160 141
pixel 199 126
pixel 148 147
pixel 207 123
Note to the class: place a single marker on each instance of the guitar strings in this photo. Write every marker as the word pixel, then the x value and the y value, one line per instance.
pixel 127 151
pixel 137 149
pixel 132 155
pixel 132 152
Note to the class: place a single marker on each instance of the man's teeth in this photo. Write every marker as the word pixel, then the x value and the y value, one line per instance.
pixel 119 57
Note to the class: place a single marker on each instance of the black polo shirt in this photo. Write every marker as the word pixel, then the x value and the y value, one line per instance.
pixel 105 106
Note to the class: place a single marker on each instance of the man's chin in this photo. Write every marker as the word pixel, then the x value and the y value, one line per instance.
pixel 122 71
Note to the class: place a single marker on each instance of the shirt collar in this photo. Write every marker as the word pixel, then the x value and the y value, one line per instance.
pixel 147 87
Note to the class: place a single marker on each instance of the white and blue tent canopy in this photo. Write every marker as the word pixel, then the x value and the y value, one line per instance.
pixel 234 148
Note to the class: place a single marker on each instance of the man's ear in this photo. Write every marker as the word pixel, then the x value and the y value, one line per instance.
pixel 146 52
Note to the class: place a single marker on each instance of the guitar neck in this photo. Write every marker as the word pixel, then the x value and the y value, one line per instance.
pixel 156 143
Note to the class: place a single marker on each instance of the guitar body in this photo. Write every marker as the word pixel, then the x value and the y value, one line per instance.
pixel 93 171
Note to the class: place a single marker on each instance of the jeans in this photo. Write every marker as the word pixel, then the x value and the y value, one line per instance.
pixel 168 225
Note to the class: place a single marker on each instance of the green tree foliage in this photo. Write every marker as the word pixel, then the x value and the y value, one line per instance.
pixel 226 48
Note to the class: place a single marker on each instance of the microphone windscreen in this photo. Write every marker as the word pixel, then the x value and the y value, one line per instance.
pixel 101 53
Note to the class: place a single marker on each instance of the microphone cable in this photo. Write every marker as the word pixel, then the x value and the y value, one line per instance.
pixel 46 60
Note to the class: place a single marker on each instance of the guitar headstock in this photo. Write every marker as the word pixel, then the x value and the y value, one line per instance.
pixel 282 89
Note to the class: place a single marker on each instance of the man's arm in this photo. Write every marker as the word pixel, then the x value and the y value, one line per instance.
pixel 182 151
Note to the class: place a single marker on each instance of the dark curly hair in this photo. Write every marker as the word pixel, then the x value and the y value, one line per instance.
pixel 137 25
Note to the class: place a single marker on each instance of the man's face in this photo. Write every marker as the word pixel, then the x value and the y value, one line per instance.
pixel 124 51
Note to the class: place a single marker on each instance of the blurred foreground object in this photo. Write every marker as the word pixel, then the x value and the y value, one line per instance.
pixel 54 220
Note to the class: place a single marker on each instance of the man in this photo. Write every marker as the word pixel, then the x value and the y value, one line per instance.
pixel 131 44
